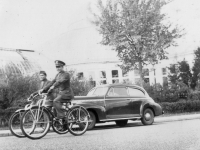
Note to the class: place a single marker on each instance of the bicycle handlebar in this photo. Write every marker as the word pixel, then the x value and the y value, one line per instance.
pixel 30 97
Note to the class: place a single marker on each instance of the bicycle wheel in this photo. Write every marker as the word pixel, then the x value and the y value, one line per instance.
pixel 35 123
pixel 77 120
pixel 14 124
pixel 59 126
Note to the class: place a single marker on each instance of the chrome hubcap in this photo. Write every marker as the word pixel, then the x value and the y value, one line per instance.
pixel 148 116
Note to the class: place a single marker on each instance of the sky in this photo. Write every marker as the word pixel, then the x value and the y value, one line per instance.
pixel 27 24
pixel 61 30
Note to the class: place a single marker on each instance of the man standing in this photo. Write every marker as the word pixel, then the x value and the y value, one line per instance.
pixel 62 82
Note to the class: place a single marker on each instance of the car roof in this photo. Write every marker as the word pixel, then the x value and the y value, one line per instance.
pixel 120 84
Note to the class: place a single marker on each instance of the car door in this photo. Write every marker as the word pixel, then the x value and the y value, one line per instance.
pixel 118 103
pixel 137 96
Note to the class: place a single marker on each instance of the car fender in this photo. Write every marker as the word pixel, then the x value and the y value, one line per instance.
pixel 157 109
pixel 99 110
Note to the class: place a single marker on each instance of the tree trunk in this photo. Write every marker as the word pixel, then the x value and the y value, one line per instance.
pixel 141 74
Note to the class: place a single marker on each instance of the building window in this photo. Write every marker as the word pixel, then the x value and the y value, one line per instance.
pixel 124 74
pixel 146 80
pixel 103 82
pixel 115 81
pixel 165 81
pixel 115 73
pixel 102 74
pixel 126 81
pixel 80 75
pixel 145 72
pixel 164 71
pixel 174 68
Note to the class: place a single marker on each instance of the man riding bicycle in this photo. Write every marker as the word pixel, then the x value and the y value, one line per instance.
pixel 65 93
pixel 44 82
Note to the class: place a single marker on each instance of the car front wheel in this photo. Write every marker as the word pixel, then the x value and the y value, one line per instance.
pixel 148 117
pixel 92 120
pixel 121 123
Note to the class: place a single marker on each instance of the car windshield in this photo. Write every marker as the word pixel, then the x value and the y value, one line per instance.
pixel 100 91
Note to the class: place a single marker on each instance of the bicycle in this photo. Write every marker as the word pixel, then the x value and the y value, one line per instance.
pixel 14 121
pixel 35 122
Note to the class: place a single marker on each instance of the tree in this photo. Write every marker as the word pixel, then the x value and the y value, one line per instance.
pixel 184 72
pixel 180 72
pixel 173 74
pixel 195 68
pixel 135 30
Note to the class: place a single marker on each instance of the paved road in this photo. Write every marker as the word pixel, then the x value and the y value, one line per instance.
pixel 178 135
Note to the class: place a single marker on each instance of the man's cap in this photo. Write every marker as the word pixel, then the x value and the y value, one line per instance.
pixel 59 63
pixel 43 72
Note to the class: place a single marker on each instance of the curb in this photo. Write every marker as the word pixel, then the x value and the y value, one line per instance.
pixel 5 133
pixel 177 118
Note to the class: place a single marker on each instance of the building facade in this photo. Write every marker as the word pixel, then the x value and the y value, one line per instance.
pixel 108 72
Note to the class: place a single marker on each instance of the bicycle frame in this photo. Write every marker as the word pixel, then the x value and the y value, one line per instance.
pixel 40 105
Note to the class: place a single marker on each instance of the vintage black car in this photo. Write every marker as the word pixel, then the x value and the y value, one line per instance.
pixel 119 103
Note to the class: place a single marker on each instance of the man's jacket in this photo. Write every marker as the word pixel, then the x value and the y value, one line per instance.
pixel 62 82
pixel 42 85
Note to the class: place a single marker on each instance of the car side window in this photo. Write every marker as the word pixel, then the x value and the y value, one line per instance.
pixel 111 92
pixel 135 92
pixel 117 91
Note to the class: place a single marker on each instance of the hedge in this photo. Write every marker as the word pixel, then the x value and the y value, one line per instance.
pixel 181 106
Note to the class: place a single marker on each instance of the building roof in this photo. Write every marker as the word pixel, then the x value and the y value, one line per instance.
pixel 17 61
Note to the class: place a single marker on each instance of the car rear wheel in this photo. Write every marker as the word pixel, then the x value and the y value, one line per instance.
pixel 121 123
pixel 148 117
pixel 92 120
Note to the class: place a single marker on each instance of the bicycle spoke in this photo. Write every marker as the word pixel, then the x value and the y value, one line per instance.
pixel 14 124
pixel 77 121
pixel 36 123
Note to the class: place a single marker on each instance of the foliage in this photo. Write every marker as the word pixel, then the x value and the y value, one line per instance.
pixel 80 88
pixel 194 95
pixel 184 72
pixel 6 113
pixel 135 30
pixel 17 89
pixel 195 68
pixel 161 94
pixel 173 73
pixel 182 106
pixel 179 73
pixel 167 93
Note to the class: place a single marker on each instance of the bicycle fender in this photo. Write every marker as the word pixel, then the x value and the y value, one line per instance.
pixel 20 110
pixel 30 107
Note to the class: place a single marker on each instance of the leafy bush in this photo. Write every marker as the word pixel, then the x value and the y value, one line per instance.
pixel 80 88
pixel 13 93
pixel 17 89
pixel 162 94
pixel 181 106
pixel 194 95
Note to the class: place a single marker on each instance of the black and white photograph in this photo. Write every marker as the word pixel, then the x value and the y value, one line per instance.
pixel 99 74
